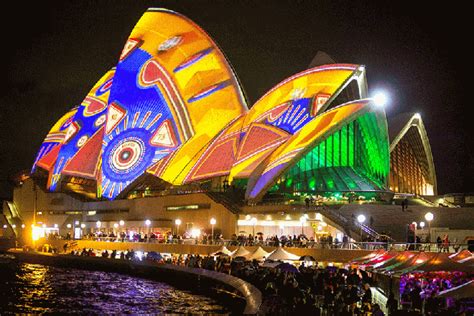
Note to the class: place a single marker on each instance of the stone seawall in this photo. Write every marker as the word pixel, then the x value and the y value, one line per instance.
pixel 239 296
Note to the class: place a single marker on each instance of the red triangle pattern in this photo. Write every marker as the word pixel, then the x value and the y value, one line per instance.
pixel 47 161
pixel 84 162
pixel 217 161
pixel 260 137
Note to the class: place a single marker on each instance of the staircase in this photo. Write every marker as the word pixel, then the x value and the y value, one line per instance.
pixel 11 215
pixel 225 199
pixel 352 229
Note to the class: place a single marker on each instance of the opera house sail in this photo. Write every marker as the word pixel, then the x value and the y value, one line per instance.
pixel 173 113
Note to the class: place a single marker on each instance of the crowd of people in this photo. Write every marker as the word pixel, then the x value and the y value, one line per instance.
pixel 312 289
pixel 419 291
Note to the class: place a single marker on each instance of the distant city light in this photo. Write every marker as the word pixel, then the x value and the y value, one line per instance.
pixel 177 221
pixel 121 222
pixel 68 225
pixel 98 224
pixel 147 222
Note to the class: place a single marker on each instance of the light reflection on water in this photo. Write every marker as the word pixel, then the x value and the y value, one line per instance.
pixel 35 288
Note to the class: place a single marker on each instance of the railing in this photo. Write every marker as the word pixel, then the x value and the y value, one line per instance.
pixel 372 245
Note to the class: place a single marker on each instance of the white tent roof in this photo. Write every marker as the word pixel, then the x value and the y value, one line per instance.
pixel 222 249
pixel 281 254
pixel 259 254
pixel 240 252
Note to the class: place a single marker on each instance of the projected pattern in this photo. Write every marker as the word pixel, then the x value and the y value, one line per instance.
pixel 169 73
pixel 49 150
pixel 79 155
pixel 176 110
pixel 276 116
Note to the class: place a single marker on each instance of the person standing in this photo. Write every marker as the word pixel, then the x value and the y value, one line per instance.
pixel 392 304
pixel 446 243
pixel 438 243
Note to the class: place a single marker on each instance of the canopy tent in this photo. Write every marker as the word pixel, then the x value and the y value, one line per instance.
pixel 258 254
pixel 380 258
pixel 462 256
pixel 368 257
pixel 222 250
pixel 440 262
pixel 281 254
pixel 394 261
pixel 409 264
pixel 240 252
pixel 307 258
pixel 465 290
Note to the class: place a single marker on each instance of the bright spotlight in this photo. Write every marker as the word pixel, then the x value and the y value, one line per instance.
pixel 380 99
pixel 361 218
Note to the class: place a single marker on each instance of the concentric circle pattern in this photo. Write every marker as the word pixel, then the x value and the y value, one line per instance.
pixel 127 155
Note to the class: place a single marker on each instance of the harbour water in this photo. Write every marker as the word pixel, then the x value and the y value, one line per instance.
pixel 40 289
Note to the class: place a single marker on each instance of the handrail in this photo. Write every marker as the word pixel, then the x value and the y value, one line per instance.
pixel 366 245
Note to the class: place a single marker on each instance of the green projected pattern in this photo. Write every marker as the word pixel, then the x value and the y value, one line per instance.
pixel 355 158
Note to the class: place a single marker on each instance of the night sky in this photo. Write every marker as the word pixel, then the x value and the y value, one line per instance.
pixel 54 51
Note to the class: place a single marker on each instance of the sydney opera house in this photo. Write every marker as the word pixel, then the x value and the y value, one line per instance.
pixel 167 134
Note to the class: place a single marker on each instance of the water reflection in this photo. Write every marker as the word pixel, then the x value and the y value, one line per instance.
pixel 34 288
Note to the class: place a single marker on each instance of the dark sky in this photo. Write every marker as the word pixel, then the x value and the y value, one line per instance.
pixel 54 51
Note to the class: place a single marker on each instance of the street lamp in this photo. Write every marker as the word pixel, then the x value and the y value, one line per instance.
pixel 147 224
pixel 302 221
pixel 98 224
pixel 414 232
pixel 429 217
pixel 213 222
pixel 422 225
pixel 177 222
pixel 253 221
pixel 361 219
